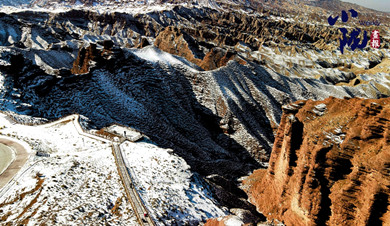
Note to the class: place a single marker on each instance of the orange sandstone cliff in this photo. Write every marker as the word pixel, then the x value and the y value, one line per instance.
pixel 330 165
pixel 176 41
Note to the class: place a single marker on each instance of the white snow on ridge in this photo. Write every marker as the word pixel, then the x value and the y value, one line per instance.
pixel 233 221
pixel 173 194
pixel 153 54
pixel 11 6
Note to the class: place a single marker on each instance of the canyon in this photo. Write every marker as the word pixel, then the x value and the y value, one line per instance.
pixel 231 87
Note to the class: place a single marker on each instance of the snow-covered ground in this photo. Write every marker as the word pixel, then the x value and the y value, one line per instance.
pixel 125 132
pixel 173 194
pixel 11 6
pixel 123 6
pixel 77 185
pixel 154 55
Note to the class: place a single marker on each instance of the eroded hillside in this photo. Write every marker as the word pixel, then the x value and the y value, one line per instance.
pixel 329 165
pixel 207 82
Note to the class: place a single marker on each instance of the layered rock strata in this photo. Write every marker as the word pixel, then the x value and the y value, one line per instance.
pixel 329 165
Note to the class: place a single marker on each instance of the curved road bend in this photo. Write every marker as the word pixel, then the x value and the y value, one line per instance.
pixel 21 158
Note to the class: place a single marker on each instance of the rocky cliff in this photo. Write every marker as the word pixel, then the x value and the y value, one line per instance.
pixel 329 165
pixel 175 41
pixel 205 82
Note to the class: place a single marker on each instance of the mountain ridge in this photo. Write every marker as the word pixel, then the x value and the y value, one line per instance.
pixel 332 5
pixel 220 114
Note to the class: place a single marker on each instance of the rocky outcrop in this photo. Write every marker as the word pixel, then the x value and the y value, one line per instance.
pixel 83 61
pixel 175 41
pixel 329 165
pixel 106 56
pixel 217 58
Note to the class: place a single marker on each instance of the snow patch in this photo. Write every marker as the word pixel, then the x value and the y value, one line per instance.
pixel 155 55
pixel 234 221
pixel 167 186
pixel 80 184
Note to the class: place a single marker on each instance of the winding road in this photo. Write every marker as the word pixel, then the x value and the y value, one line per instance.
pixel 132 194
pixel 139 208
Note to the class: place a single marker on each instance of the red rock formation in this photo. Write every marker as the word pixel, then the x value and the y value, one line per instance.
pixel 82 62
pixel 217 58
pixel 178 42
pixel 90 54
pixel 173 41
pixel 329 165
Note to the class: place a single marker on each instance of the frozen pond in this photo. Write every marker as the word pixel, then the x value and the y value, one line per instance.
pixel 6 157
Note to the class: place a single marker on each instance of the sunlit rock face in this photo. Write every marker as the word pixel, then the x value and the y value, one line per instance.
pixel 329 165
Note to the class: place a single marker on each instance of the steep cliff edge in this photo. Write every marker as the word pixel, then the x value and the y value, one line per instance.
pixel 329 165
pixel 178 42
